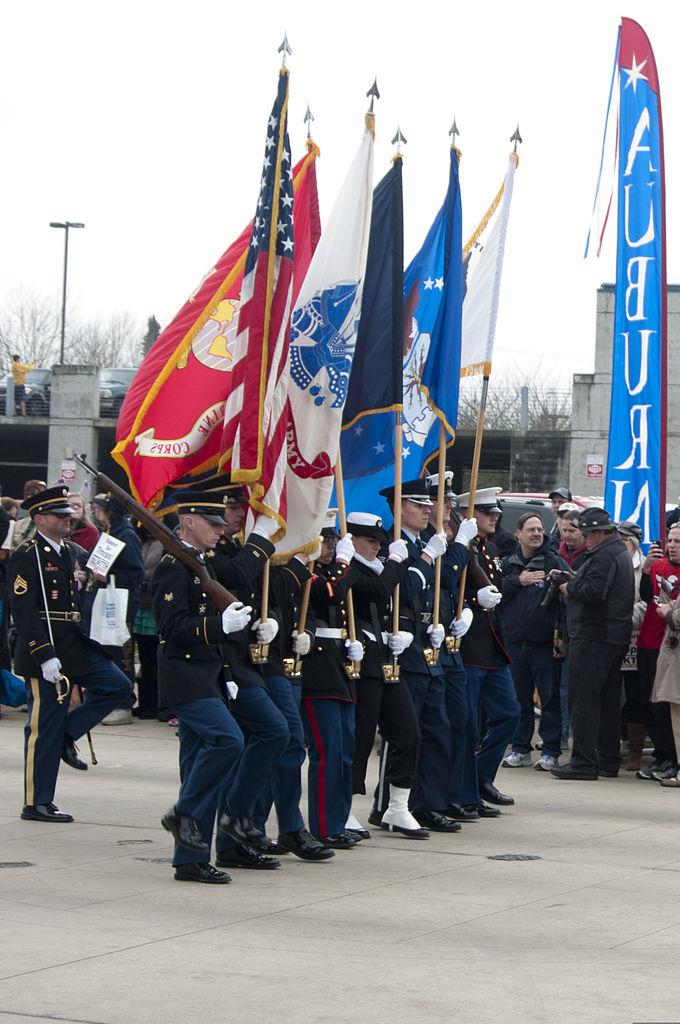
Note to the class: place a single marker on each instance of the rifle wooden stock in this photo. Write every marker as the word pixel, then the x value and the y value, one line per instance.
pixel 220 596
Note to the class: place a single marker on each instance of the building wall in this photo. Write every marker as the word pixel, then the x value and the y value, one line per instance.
pixel 592 397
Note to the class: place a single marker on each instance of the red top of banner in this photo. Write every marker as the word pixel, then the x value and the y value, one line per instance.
pixel 636 55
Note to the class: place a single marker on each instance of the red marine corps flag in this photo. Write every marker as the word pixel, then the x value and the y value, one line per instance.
pixel 171 421
pixel 254 435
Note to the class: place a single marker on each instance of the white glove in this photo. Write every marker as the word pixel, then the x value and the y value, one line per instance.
pixel 355 650
pixel 344 549
pixel 398 551
pixel 459 627
pixel 467 531
pixel 436 636
pixel 265 631
pixel 436 545
pixel 398 642
pixel 51 670
pixel 302 643
pixel 236 617
pixel 265 526
pixel 232 689
pixel 489 597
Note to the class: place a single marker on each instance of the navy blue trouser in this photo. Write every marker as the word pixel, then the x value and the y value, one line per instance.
pixel 210 746
pixel 49 722
pixel 457 711
pixel 284 788
pixel 329 731
pixel 493 690
pixel 431 789
pixel 266 737
pixel 535 668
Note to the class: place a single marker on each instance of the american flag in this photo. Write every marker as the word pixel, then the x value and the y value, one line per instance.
pixel 254 443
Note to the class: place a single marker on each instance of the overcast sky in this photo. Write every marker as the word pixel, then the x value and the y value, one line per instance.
pixel 146 120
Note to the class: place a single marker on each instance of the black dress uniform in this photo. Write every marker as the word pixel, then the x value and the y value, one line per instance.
pixel 383 704
pixel 328 696
pixel 489 681
pixel 191 682
pixel 51 726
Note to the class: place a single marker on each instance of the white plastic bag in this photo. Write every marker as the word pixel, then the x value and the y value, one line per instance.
pixel 108 626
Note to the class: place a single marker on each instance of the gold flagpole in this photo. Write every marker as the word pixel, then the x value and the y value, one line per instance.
pixel 432 655
pixel 352 667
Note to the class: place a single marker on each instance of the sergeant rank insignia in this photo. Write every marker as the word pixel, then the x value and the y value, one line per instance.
pixel 20 586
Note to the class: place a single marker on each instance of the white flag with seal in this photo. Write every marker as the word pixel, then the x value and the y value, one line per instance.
pixel 323 334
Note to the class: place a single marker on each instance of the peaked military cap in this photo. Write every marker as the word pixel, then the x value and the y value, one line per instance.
pixel 208 504
pixel 486 499
pixel 329 530
pixel 595 519
pixel 364 524
pixel 433 484
pixel 53 501
pixel 411 490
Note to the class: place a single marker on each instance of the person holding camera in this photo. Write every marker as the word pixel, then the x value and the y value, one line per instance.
pixel 531 621
pixel 600 602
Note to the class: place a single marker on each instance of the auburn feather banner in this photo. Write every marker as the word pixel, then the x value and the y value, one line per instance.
pixel 191 382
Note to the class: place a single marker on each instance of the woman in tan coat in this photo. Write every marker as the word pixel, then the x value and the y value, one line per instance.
pixel 667 678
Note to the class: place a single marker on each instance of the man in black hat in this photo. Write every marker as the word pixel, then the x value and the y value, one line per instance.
pixel 599 621
pixel 192 684
pixel 52 643
pixel 425 678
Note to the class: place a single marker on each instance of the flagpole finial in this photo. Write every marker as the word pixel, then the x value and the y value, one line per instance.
pixel 284 49
pixel 308 118
pixel 400 140
pixel 516 138
pixel 453 132
pixel 373 94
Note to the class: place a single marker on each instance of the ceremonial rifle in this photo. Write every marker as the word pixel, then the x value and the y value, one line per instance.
pixel 220 596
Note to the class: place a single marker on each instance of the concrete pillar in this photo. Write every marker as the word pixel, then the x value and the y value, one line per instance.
pixel 74 407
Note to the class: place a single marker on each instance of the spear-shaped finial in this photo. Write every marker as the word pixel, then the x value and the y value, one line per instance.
pixel 374 94
pixel 284 48
pixel 400 139
pixel 308 118
pixel 453 131
pixel 516 138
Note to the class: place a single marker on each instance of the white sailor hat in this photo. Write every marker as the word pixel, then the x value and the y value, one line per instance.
pixel 433 484
pixel 364 524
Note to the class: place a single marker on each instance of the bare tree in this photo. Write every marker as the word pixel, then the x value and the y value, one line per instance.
pixel 113 342
pixel 153 329
pixel 29 326
pixel 520 403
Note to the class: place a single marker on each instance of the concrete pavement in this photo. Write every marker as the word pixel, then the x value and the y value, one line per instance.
pixel 96 931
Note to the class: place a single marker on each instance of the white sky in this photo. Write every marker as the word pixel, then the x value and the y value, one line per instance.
pixel 146 120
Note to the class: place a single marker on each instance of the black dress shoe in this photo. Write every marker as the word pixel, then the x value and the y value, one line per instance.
pixel 304 845
pixel 488 792
pixel 358 834
pixel 243 856
pixel 569 771
pixel 185 831
pixel 483 810
pixel 436 822
pixel 266 845
pixel 607 773
pixel 45 812
pixel 201 873
pixel 69 754
pixel 342 841
pixel 241 830
pixel 375 818
pixel 460 813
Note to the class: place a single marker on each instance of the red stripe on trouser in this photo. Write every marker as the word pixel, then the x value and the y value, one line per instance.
pixel 321 780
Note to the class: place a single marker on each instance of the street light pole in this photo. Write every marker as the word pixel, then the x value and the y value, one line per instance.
pixel 65 225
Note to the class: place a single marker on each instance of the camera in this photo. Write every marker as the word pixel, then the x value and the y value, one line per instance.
pixel 555 581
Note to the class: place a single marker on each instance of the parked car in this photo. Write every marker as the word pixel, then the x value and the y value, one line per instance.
pixel 114 382
pixel 515 505
pixel 38 386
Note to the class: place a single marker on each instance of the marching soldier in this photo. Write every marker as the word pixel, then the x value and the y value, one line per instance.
pixel 487 663
pixel 53 648
pixel 192 684
pixel 328 696
pixel 383 697
pixel 429 797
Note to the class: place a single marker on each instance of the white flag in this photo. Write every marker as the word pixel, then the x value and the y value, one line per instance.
pixel 480 305
pixel 323 335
